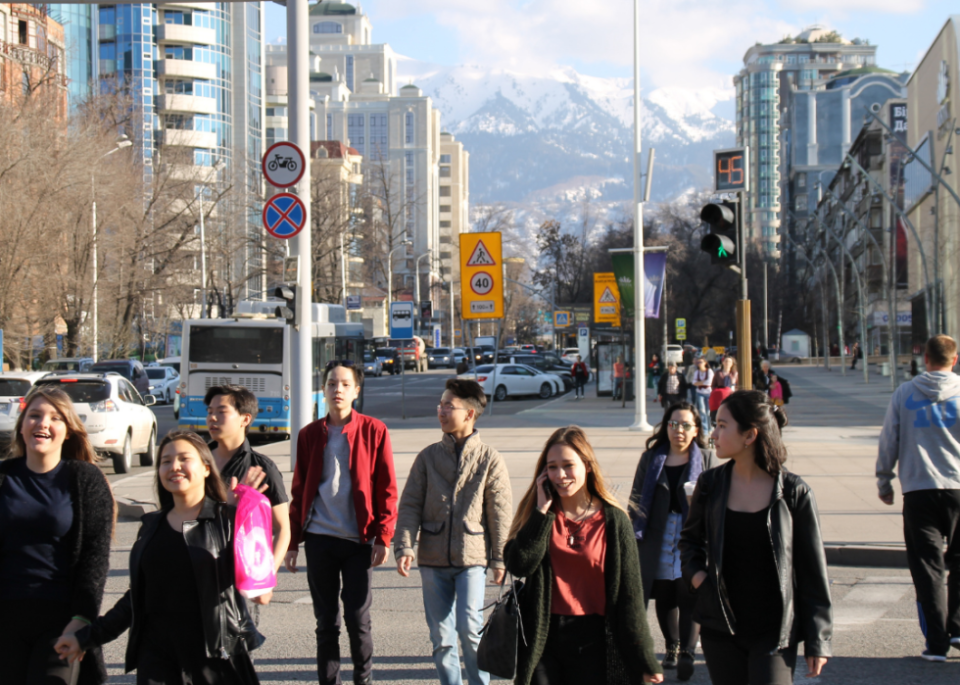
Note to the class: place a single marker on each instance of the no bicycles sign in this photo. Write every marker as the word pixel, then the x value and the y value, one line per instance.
pixel 283 165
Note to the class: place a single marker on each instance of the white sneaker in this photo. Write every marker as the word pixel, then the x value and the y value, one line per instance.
pixel 955 642
pixel 927 655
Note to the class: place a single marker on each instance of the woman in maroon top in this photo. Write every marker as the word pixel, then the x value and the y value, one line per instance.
pixel 574 544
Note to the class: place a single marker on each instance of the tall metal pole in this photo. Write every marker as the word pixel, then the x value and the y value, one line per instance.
pixel 766 311
pixel 298 94
pixel 93 259
pixel 203 263
pixel 343 271
pixel 453 324
pixel 639 280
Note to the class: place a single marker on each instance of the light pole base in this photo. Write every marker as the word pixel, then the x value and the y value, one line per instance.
pixel 641 427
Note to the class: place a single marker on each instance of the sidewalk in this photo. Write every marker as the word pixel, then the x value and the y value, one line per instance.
pixel 832 439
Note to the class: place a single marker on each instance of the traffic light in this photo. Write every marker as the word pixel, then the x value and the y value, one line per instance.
pixel 288 310
pixel 721 242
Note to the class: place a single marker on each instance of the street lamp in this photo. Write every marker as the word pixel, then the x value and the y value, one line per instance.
pixel 403 245
pixel 219 166
pixel 122 142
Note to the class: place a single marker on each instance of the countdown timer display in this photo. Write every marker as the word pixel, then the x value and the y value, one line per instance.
pixel 731 170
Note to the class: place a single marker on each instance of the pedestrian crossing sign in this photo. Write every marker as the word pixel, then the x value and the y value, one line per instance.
pixel 481 275
pixel 606 299
pixel 481 256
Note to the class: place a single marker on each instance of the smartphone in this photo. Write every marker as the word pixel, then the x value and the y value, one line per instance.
pixel 548 489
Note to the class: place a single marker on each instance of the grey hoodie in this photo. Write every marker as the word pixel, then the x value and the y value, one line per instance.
pixel 922 432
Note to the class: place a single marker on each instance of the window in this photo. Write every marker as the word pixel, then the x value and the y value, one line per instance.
pixel 350 72
pixel 175 17
pixel 178 52
pixel 444 209
pixel 378 135
pixel 355 132
pixel 22 33
pixel 444 172
pixel 445 159
pixel 327 27
pixel 801 203
pixel 3 26
pixel 26 83
pixel 444 224
pixel 41 39
pixel 329 126
pixel 445 191
pixel 408 127
pixel 802 181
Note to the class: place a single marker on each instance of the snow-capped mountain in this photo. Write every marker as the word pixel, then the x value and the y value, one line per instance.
pixel 540 141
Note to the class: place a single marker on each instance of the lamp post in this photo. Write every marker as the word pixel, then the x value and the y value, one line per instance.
pixel 121 143
pixel 403 245
pixel 219 166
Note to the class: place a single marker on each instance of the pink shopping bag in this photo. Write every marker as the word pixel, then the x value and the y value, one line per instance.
pixel 253 543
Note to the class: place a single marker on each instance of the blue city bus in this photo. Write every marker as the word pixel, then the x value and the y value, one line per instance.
pixel 253 350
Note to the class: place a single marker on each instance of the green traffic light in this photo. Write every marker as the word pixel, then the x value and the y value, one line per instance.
pixel 721 253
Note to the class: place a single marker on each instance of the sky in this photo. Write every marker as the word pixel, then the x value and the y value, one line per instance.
pixel 684 43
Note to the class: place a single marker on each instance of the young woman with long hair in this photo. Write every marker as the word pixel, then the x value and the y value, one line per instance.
pixel 187 621
pixel 723 385
pixel 753 554
pixel 56 520
pixel 676 454
pixel 574 544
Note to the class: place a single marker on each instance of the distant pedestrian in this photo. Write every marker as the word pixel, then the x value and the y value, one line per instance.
pixel 921 436
pixel 753 551
pixel 580 374
pixel 462 483
pixel 672 386
pixel 676 454
pixel 56 521
pixel 702 385
pixel 344 509
pixel 573 543
pixel 775 390
pixel 761 380
pixel 655 369
pixel 711 358
pixel 188 622
pixel 857 354
pixel 619 377
pixel 723 385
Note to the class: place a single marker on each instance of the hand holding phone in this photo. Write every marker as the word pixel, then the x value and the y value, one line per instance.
pixel 545 492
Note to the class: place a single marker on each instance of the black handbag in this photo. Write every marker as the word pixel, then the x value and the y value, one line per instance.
pixel 497 652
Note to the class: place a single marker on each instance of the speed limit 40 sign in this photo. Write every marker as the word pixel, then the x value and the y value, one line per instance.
pixel 481 275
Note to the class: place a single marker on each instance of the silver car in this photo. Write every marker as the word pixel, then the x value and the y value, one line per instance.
pixel 372 364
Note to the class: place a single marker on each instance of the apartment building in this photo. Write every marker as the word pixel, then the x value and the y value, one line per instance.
pixel 32 55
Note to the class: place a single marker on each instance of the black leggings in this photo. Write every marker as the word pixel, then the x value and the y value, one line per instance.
pixel 733 660
pixel 575 653
pixel 28 631
pixel 675 613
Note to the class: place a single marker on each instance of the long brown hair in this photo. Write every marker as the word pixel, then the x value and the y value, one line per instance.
pixel 77 443
pixel 213 485
pixel 574 438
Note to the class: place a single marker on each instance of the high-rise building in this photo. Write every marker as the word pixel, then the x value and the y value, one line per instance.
pixel 80 39
pixel 32 55
pixel 454 173
pixel 764 86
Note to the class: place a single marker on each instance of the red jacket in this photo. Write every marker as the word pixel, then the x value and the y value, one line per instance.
pixel 372 478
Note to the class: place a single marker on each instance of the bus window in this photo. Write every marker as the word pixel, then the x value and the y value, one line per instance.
pixel 236 345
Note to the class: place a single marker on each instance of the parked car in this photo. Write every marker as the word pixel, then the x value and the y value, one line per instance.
pixel 546 362
pixel 131 369
pixel 440 357
pixel 172 362
pixel 372 364
pixel 515 380
pixel 674 354
pixel 163 383
pixel 68 365
pixel 14 386
pixel 532 349
pixel 389 359
pixel 570 354
pixel 115 415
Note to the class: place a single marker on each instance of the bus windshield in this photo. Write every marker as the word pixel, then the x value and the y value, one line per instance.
pixel 236 345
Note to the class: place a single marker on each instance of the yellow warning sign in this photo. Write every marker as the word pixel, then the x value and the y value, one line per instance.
pixel 481 275
pixel 606 299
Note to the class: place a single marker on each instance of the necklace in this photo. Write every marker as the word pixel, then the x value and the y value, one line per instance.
pixel 573 526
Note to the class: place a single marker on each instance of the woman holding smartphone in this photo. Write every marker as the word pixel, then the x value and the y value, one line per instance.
pixel 574 544
pixel 188 623
pixel 752 552
pixel 56 520
pixel 676 454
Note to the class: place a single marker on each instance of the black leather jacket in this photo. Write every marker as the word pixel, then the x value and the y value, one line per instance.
pixel 797 547
pixel 227 628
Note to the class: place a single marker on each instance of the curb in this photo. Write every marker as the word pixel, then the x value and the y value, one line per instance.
pixel 893 556
pixel 128 508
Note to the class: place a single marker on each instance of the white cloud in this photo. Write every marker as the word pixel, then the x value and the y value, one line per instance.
pixel 847 6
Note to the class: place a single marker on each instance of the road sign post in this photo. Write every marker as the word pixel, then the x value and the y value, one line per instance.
pixel 606 299
pixel 481 275
pixel 284 215
pixel 283 164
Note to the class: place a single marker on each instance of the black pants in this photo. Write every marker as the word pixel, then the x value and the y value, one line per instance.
pixel 329 559
pixel 28 631
pixel 578 384
pixel 733 660
pixel 929 516
pixel 575 653
pixel 674 605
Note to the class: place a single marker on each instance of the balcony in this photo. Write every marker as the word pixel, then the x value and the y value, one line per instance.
pixel 186 68
pixel 185 138
pixel 193 104
pixel 179 33
pixel 192 173
pixel 205 6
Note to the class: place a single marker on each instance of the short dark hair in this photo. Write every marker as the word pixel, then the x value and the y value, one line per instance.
pixel 940 350
pixel 241 397
pixel 754 409
pixel 347 364
pixel 470 392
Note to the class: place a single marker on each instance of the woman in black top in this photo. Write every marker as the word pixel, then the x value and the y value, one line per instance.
pixel 675 454
pixel 752 551
pixel 188 622
pixel 56 519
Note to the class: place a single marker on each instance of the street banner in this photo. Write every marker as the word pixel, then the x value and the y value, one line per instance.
pixel 606 299
pixel 654 272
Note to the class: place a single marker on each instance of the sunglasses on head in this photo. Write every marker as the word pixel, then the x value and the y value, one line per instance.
pixel 334 363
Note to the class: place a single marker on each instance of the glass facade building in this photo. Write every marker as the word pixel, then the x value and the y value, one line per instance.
pixel 80 36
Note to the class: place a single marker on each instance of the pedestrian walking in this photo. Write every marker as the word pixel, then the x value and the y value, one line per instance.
pixel 857 353
pixel 761 380
pixel 619 377
pixel 575 546
pixel 230 411
pixel 580 375
pixel 344 509
pixel 56 521
pixel 723 385
pixel 711 358
pixel 188 622
pixel 676 454
pixel 775 390
pixel 702 384
pixel 672 386
pixel 921 438
pixel 752 551
pixel 655 369
pixel 462 483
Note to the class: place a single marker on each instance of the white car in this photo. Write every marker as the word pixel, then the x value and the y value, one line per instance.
pixel 675 355
pixel 115 415
pixel 514 380
pixel 163 382
pixel 14 386
pixel 570 354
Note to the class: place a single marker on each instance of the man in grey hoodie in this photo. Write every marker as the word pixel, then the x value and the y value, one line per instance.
pixel 921 431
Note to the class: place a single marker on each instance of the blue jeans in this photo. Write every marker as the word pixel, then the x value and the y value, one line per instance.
pixel 446 589
pixel 703 408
